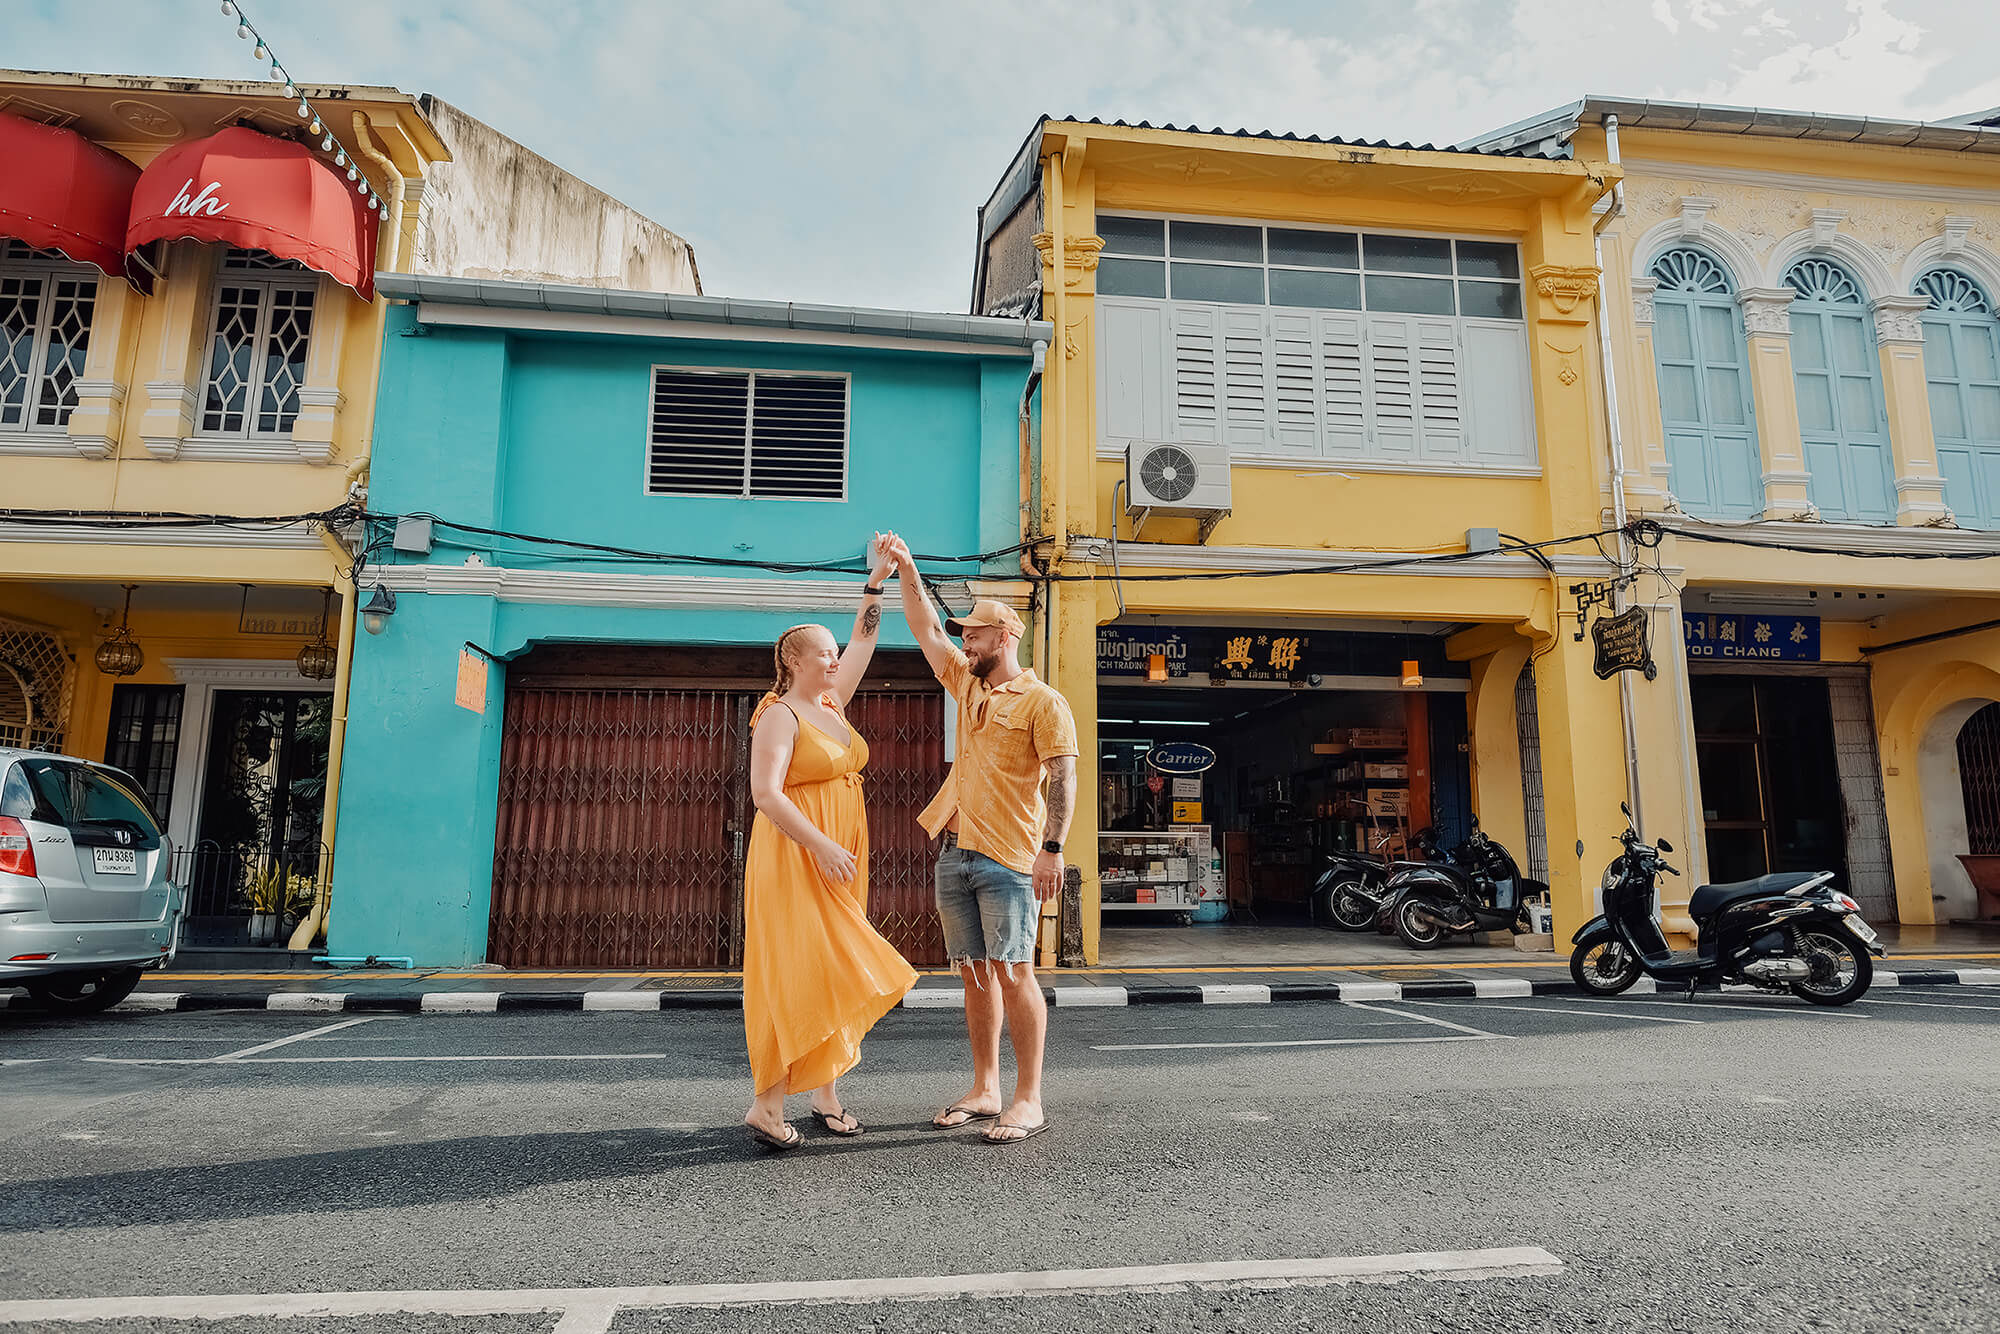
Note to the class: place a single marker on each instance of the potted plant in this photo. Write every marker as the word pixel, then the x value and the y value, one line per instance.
pixel 271 895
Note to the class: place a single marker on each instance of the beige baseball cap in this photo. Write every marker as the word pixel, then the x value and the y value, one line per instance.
pixel 986 612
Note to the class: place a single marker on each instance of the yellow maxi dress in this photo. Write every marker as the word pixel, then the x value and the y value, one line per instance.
pixel 816 974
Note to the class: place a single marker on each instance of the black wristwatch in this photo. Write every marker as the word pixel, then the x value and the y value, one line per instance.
pixel 872 590
pixel 1050 845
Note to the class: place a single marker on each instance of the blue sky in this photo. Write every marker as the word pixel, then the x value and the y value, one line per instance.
pixel 818 151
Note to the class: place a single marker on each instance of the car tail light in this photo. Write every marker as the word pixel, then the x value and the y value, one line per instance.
pixel 17 854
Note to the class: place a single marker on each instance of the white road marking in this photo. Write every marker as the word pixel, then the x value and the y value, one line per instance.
pixel 1425 1019
pixel 310 1002
pixel 1371 990
pixel 1235 993
pixel 1979 977
pixel 379 1060
pixel 621 1000
pixel 1778 1005
pixel 460 1002
pixel 1498 987
pixel 286 1042
pixel 1928 1005
pixel 591 1310
pixel 1294 1042
pixel 935 999
pixel 1606 1011
pixel 1066 996
pixel 23 1060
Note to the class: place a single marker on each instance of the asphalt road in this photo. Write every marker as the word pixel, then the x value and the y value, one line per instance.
pixel 1736 1163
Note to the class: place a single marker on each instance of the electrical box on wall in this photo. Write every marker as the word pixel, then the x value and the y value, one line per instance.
pixel 413 536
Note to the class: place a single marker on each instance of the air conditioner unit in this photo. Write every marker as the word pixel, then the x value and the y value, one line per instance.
pixel 1163 477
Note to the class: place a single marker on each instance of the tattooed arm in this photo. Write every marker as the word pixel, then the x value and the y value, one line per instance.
pixel 867 623
pixel 1061 773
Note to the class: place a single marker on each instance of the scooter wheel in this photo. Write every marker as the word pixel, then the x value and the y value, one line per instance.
pixel 1347 909
pixel 1604 967
pixel 1842 969
pixel 1418 930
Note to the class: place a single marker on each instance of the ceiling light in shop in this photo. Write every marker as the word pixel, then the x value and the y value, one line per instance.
pixel 1413 674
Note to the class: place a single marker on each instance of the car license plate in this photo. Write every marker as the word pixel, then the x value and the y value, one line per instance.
pixel 116 861
pixel 1861 928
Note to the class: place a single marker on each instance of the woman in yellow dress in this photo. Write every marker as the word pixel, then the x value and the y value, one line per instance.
pixel 816 975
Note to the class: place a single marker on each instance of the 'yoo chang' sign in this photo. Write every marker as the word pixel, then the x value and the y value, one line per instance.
pixel 1751 637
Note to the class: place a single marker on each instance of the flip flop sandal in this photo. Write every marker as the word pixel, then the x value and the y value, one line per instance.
pixel 1028 1132
pixel 836 1124
pixel 792 1138
pixel 969 1114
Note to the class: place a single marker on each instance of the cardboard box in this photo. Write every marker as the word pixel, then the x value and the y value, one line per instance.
pixel 1378 738
pixel 1385 771
pixel 1388 801
pixel 1177 869
pixel 1145 894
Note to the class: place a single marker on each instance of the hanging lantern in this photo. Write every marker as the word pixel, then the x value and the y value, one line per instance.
pixel 121 655
pixel 318 659
pixel 1156 666
pixel 1413 674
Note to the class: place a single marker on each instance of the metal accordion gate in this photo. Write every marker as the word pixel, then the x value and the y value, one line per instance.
pixel 624 815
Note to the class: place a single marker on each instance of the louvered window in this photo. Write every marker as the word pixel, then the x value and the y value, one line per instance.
pixel 1409 352
pixel 257 345
pixel 771 435
pixel 46 303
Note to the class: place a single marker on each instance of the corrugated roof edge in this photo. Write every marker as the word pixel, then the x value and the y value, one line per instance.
pixel 1561 123
pixel 1291 137
pixel 912 325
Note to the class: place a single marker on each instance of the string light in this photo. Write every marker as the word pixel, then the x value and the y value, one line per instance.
pixel 317 127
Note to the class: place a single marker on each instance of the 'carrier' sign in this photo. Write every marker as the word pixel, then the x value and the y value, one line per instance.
pixel 1751 637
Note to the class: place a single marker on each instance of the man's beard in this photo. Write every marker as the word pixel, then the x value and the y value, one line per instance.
pixel 983 664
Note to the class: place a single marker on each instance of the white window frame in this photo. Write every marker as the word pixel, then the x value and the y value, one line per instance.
pixel 268 282
pixel 28 433
pixel 749 426
pixel 1112 447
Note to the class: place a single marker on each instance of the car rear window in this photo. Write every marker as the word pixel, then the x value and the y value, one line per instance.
pixel 15 798
pixel 77 795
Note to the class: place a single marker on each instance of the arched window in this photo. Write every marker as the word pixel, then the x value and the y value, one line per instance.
pixel 1962 364
pixel 1837 373
pixel 1702 363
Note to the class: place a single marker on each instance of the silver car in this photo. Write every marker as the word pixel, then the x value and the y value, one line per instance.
pixel 85 903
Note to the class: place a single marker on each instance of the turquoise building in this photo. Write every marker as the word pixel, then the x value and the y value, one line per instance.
pixel 606 506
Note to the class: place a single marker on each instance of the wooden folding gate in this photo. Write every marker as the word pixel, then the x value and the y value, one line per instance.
pixel 625 813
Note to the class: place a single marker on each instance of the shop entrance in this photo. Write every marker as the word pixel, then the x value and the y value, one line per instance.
pixel 1329 750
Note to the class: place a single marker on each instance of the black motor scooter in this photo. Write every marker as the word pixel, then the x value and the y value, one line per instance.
pixel 1480 888
pixel 1351 892
pixel 1788 931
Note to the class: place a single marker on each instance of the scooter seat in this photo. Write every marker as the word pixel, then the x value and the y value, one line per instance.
pixel 1711 899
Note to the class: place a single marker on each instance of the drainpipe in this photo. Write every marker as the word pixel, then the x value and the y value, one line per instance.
pixel 364 144
pixel 1031 455
pixel 1620 598
pixel 1059 449
pixel 336 742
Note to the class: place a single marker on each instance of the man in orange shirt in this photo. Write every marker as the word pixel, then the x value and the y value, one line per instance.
pixel 1003 844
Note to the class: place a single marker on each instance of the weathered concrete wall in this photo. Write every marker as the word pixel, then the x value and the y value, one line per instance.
pixel 497 210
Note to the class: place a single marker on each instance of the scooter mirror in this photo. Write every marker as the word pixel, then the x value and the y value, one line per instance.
pixel 1625 808
pixel 1666 846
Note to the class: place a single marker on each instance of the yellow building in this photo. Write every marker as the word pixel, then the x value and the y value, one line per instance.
pixel 1326 481
pixel 221 366
pixel 1280 354
pixel 1806 364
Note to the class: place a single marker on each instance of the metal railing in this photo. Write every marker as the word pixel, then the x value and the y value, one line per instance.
pixel 223 881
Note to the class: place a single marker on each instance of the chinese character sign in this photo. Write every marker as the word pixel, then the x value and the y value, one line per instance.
pixel 1267 656
pixel 1752 637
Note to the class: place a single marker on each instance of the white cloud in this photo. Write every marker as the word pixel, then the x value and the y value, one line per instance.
pixel 837 152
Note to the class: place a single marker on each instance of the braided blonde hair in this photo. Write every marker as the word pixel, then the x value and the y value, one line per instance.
pixel 783 685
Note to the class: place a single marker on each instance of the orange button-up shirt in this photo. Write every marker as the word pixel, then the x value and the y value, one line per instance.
pixel 1005 735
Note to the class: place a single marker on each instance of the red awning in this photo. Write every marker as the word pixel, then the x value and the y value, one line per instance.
pixel 248 189
pixel 62 192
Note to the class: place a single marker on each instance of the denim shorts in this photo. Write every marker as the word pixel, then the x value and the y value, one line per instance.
pixel 989 911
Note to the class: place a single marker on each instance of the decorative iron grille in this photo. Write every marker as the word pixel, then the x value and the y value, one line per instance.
pixel 1979 775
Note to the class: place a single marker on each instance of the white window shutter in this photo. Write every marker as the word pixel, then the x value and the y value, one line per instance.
pixel 1246 378
pixel 1440 400
pixel 1295 382
pixel 1197 372
pixel 1344 386
pixel 1392 386
pixel 1499 395
pixel 1135 399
